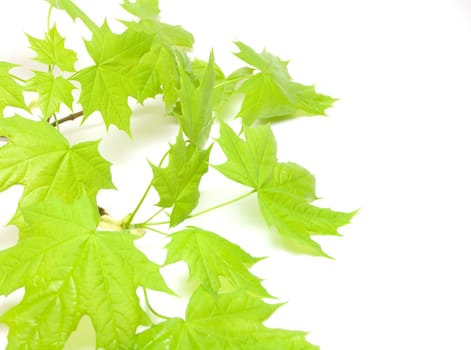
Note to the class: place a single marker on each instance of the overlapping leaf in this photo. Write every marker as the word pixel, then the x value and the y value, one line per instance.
pixel 231 321
pixel 177 183
pixel 107 85
pixel 158 72
pixel 211 258
pixel 284 190
pixel 271 93
pixel 51 50
pixel 53 91
pixel 38 157
pixel 11 93
pixel 196 118
pixel 70 269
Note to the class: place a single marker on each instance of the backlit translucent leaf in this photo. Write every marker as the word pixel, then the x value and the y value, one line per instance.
pixel 145 9
pixel 196 118
pixel 38 157
pixel 177 183
pixel 70 269
pixel 107 85
pixel 231 321
pixel 271 93
pixel 51 50
pixel 211 258
pixel 284 190
pixel 249 162
pixel 52 92
pixel 11 93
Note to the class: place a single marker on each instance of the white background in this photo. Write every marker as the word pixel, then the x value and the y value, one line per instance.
pixel 396 145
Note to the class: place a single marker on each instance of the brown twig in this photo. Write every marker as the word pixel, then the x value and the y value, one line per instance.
pixel 72 116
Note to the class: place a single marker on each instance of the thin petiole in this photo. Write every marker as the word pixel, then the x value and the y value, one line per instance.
pixel 133 214
pixel 205 210
pixel 153 216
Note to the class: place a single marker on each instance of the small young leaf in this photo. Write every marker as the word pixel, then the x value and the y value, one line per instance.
pixel 52 92
pixel 11 93
pixel 38 157
pixel 51 51
pixel 271 93
pixel 196 118
pixel 211 257
pixel 177 184
pixel 230 321
pixel 69 269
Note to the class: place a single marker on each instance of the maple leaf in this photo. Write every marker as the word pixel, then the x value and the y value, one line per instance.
pixel 248 162
pixel 107 85
pixel 74 12
pixel 229 321
pixel 70 269
pixel 11 93
pixel 211 257
pixel 271 93
pixel 52 92
pixel 284 190
pixel 177 184
pixel 196 118
pixel 38 157
pixel 51 50
pixel 158 71
pixel 145 9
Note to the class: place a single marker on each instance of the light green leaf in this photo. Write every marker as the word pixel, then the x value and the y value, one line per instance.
pixel 70 269
pixel 51 51
pixel 249 162
pixel 145 9
pixel 38 157
pixel 211 258
pixel 231 321
pixel 284 190
pixel 11 93
pixel 74 12
pixel 107 85
pixel 52 92
pixel 177 184
pixel 196 118
pixel 271 93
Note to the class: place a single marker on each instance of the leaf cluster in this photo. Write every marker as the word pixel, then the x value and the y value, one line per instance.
pixel 74 260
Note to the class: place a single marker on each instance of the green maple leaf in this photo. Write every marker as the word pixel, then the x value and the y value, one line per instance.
pixel 230 321
pixel 284 190
pixel 11 93
pixel 211 257
pixel 107 85
pixel 196 118
pixel 177 184
pixel 38 157
pixel 145 9
pixel 74 12
pixel 248 162
pixel 158 71
pixel 284 203
pixel 51 51
pixel 271 93
pixel 70 269
pixel 52 92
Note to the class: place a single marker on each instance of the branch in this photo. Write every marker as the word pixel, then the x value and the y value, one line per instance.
pixel 72 116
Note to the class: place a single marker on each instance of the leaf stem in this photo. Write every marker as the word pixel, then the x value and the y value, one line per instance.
pixel 151 309
pixel 18 78
pixel 72 116
pixel 205 210
pixel 153 216
pixel 133 214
